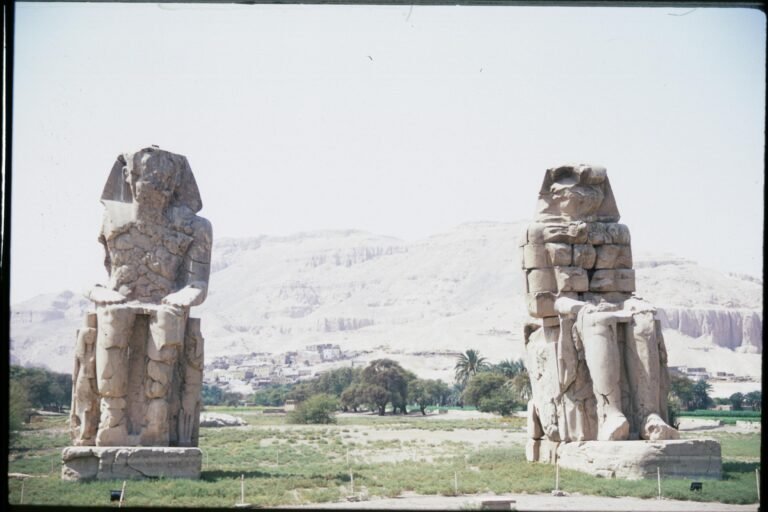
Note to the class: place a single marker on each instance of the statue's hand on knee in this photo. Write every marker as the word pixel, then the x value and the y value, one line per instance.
pixel 568 307
pixel 186 297
pixel 103 296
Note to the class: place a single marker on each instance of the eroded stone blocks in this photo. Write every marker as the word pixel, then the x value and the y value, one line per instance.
pixel 633 460
pixel 84 463
pixel 597 360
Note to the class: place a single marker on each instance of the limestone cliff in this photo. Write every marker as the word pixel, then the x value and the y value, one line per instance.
pixel 736 329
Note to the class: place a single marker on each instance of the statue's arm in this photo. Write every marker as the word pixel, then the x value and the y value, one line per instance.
pixel 565 306
pixel 98 293
pixel 195 268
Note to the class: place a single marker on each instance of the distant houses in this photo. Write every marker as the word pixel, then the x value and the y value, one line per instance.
pixel 257 370
pixel 697 373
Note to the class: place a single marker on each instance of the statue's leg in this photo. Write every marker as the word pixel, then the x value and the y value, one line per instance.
pixel 166 334
pixel 84 413
pixel 189 416
pixel 601 352
pixel 644 371
pixel 542 368
pixel 115 324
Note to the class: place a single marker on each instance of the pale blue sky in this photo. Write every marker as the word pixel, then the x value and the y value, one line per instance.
pixel 396 120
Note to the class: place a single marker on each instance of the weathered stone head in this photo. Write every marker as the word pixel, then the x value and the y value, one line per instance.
pixel 153 180
pixel 576 193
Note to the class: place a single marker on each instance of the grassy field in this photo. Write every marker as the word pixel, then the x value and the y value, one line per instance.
pixel 727 417
pixel 291 464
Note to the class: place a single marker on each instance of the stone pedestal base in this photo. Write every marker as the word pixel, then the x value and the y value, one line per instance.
pixel 130 462
pixel 632 460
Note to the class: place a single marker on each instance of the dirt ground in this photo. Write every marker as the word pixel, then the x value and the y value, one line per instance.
pixel 534 502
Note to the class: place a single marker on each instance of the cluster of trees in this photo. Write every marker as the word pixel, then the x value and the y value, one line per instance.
pixel 381 384
pixel 689 395
pixel 36 388
pixel 214 395
pixel 273 395
pixel 44 389
pixel 385 385
pixel 746 401
pixel 501 388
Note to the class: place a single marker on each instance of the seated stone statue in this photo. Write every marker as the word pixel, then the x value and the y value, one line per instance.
pixel 145 366
pixel 595 351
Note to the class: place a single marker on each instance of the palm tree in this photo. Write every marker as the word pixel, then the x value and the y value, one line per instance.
pixel 520 386
pixel 510 368
pixel 469 364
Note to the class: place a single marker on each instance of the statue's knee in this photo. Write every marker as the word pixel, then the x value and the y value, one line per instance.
pixel 167 326
pixel 115 325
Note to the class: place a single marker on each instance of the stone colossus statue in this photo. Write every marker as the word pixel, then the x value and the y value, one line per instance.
pixel 595 351
pixel 139 358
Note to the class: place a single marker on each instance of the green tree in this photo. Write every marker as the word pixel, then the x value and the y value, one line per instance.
pixel 231 398
pixel 443 391
pixel 302 391
pixel 455 397
pixel 426 392
pixel 353 397
pixel 212 394
pixel 737 401
pixel 673 410
pixel 388 375
pixel 18 406
pixel 318 408
pixel 520 386
pixel 754 400
pixel 681 391
pixel 334 382
pixel 45 389
pixel 272 395
pixel 701 398
pixel 509 368
pixel 215 395
pixel 375 396
pixel 489 392
pixel 468 365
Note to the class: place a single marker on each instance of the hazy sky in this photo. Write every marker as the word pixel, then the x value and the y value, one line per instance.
pixel 403 121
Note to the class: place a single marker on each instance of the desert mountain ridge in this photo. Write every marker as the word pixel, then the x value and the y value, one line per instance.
pixel 446 293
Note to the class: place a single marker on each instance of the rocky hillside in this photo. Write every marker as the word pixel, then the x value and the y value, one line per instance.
pixel 446 293
pixel 699 302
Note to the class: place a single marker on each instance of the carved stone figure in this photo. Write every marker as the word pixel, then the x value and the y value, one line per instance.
pixel 84 418
pixel 146 365
pixel 595 351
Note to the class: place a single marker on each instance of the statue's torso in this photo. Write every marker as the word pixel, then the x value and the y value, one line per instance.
pixel 145 259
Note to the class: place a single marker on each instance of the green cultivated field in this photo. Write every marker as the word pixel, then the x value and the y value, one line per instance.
pixel 727 417
pixel 297 464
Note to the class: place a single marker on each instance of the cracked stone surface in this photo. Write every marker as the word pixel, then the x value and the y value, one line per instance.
pixel 138 370
pixel 681 458
pixel 108 463
pixel 594 350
